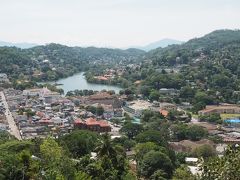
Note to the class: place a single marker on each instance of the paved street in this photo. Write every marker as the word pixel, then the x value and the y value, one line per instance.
pixel 12 125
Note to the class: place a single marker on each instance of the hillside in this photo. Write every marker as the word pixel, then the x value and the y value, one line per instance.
pixel 14 61
pixel 54 61
pixel 191 50
pixel 209 65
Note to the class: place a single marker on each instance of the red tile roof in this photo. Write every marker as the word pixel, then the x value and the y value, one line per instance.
pixel 91 121
pixel 163 112
pixel 78 121
pixel 103 123
pixel 102 95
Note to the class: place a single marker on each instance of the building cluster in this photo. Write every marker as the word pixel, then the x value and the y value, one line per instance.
pixel 137 107
pixel 41 112
pixel 220 109
pixel 3 121
pixel 4 79
pixel 111 104
pixel 92 124
pixel 108 75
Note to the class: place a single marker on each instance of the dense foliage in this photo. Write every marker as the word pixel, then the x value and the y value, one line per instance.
pixel 66 158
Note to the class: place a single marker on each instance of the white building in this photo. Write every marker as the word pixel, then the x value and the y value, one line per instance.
pixel 137 107
pixel 44 93
pixel 4 78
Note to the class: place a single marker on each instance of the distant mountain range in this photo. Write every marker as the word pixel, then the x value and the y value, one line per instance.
pixel 19 45
pixel 162 43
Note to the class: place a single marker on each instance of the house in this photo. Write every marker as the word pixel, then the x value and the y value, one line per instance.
pixel 193 165
pixel 108 111
pixel 44 93
pixel 4 78
pixel 93 125
pixel 220 109
pixel 168 106
pixel 32 92
pixel 51 97
pixel 101 78
pixel 163 112
pixel 118 112
pixel 21 118
pixel 191 160
pixel 102 98
pixel 168 91
pixel 3 127
pixel 186 105
pixel 137 107
pixel 189 146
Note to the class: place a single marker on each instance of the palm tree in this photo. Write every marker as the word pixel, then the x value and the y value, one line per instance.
pixel 106 148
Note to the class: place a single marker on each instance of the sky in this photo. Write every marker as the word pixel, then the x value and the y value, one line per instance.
pixel 113 23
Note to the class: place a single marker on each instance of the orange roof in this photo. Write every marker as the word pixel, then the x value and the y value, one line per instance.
pixel 101 78
pixel 78 121
pixel 91 121
pixel 103 123
pixel 163 112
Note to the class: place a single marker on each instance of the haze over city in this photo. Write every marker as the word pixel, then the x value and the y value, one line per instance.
pixel 109 23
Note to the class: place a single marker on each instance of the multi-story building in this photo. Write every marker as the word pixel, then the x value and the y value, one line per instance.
pixel 93 125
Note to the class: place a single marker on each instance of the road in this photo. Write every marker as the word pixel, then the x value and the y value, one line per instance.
pixel 11 123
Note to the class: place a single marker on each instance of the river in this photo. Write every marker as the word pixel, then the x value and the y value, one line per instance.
pixel 78 81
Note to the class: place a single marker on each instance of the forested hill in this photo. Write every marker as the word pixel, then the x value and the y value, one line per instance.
pixel 209 65
pixel 55 61
pixel 57 51
pixel 216 42
pixel 212 60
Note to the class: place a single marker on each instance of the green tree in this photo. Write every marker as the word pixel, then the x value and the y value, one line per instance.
pixel 183 173
pixel 54 162
pixel 205 151
pixel 196 133
pixel 131 130
pixel 151 136
pixel 106 148
pixel 154 95
pixel 92 109
pixel 151 116
pixel 80 142
pixel 112 159
pixel 158 175
pixel 142 148
pixel 213 118
pixel 226 167
pixel 153 161
pixel 99 110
